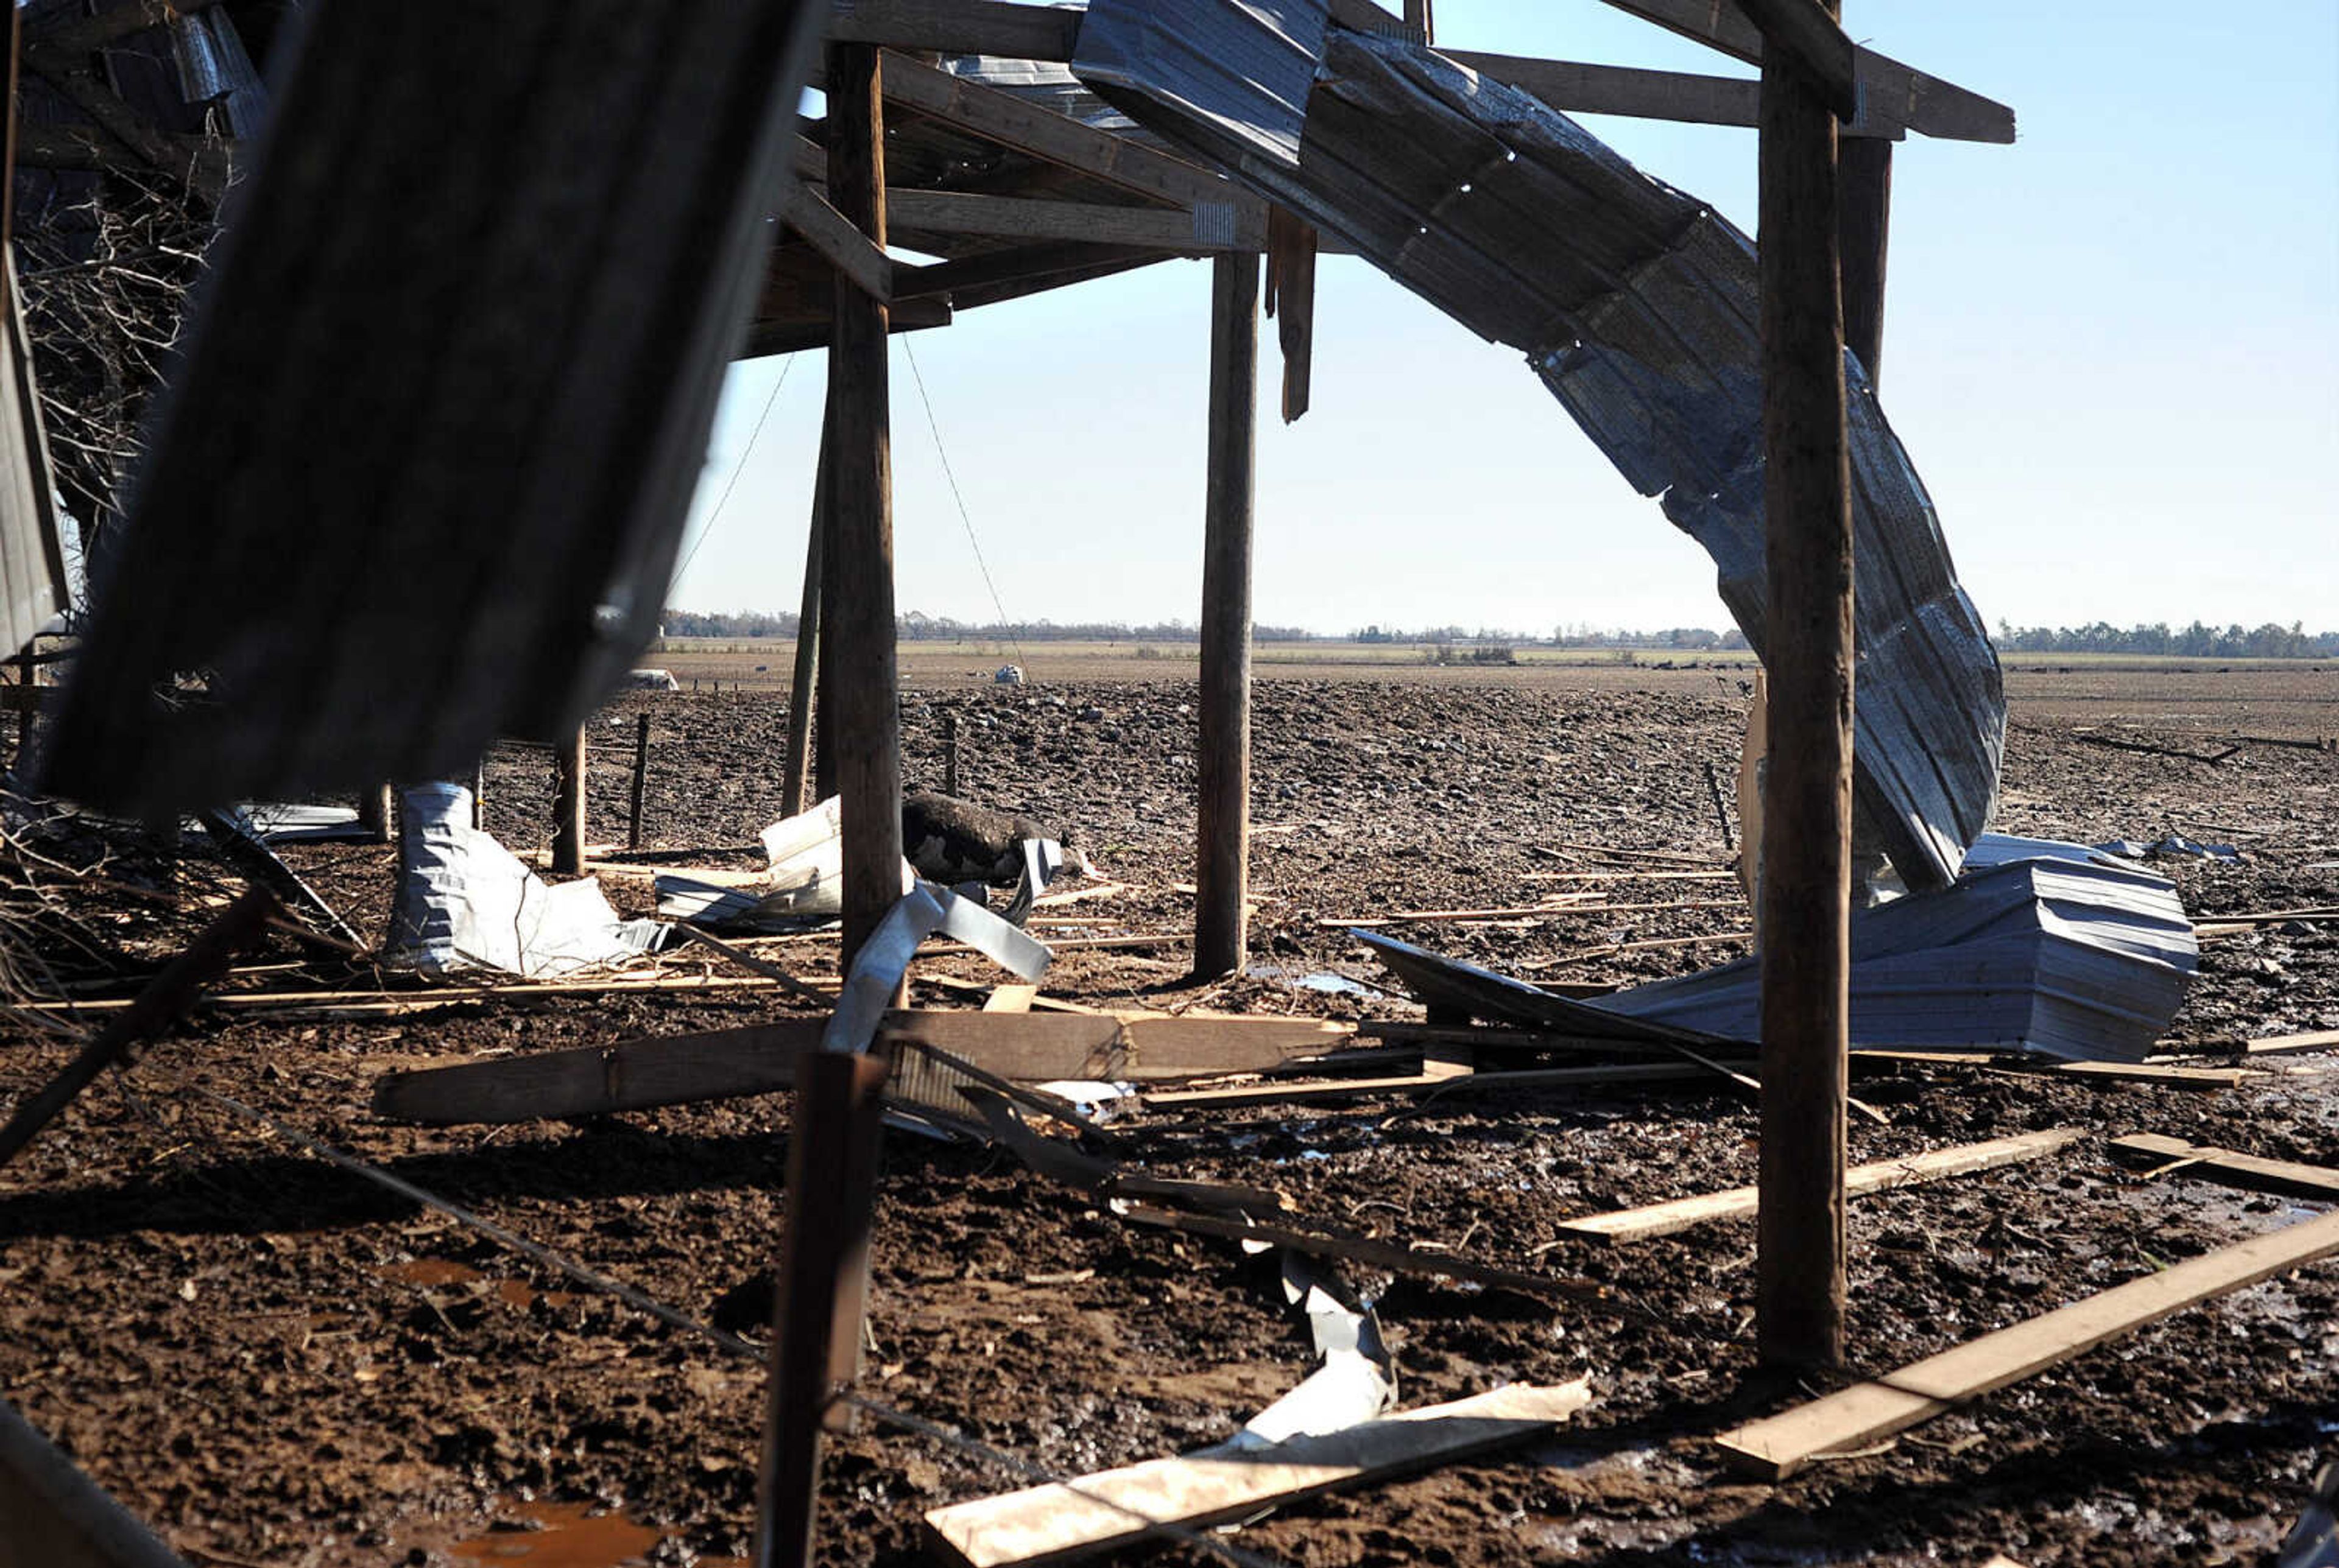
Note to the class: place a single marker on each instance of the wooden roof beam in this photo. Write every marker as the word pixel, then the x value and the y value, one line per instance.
pixel 1925 104
pixel 1016 32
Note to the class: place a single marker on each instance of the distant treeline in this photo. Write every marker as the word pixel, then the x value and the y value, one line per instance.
pixel 919 626
pixel 2197 641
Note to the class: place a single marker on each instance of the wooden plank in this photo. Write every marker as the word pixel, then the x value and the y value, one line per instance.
pixel 1015 31
pixel 1805 888
pixel 1522 911
pixel 2239 1169
pixel 1011 999
pixel 52 1516
pixel 2280 1044
pixel 1222 785
pixel 1006 119
pixel 1926 105
pixel 568 806
pixel 1666 1218
pixel 1118 1045
pixel 1496 1037
pixel 1781 1444
pixel 728 1063
pixel 847 248
pixel 1863 239
pixel 1426 1082
pixel 1067 1520
pixel 1176 230
pixel 2153 1072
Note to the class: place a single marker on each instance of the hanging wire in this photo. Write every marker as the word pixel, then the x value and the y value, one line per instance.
pixel 738 467
pixel 948 473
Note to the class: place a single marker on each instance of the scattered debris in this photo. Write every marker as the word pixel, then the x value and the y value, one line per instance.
pixel 465 902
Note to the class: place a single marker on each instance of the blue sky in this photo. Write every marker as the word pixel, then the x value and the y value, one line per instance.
pixel 2112 350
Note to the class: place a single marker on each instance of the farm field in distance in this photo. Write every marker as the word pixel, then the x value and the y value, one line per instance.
pixel 277 1362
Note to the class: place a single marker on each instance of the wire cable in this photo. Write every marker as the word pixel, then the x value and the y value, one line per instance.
pixel 736 469
pixel 997 604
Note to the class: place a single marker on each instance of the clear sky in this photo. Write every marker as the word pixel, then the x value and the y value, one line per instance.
pixel 2112 350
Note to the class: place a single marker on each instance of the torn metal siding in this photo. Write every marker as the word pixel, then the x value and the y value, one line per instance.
pixel 2058 957
pixel 31 556
pixel 1637 305
pixel 421 477
pixel 1234 75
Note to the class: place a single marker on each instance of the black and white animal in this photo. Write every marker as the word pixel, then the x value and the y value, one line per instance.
pixel 951 841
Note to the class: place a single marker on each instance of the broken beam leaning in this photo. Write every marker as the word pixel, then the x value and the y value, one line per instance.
pixel 1666 1218
pixel 2238 1169
pixel 1777 1447
pixel 52 1516
pixel 1064 1520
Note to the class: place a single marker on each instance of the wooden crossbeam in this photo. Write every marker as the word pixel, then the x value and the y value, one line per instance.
pixel 1015 32
pixel 1059 139
pixel 1777 1447
pixel 1810 36
pixel 1666 1218
pixel 1926 105
pixel 847 249
pixel 1214 227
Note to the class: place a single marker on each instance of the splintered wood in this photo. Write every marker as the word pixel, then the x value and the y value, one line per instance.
pixel 1065 1520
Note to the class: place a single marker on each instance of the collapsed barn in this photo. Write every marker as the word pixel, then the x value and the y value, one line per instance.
pixel 480 559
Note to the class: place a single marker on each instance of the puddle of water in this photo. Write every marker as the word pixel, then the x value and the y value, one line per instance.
pixel 571 1536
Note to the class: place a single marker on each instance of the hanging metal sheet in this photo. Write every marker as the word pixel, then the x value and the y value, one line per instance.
pixel 1637 306
pixel 420 481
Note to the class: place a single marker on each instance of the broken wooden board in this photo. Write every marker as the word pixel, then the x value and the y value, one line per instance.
pixel 1666 1218
pixel 1066 1520
pixel 1139 1046
pixel 2236 1170
pixel 1781 1444
pixel 2153 1072
pixel 727 1063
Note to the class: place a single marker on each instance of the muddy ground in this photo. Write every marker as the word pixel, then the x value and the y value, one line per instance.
pixel 278 1363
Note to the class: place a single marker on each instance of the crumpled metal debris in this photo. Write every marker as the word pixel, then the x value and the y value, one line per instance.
pixel 884 957
pixel 466 902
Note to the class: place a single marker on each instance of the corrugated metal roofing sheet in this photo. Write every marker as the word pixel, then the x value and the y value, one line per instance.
pixel 1234 75
pixel 1637 306
pixel 420 480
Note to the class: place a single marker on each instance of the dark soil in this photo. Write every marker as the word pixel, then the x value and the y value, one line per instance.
pixel 276 1362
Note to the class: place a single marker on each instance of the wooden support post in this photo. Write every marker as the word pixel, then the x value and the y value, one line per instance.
pixel 168 995
pixel 1863 234
pixel 949 756
pixel 641 777
pixel 377 811
pixel 866 734
pixel 568 805
pixel 1806 888
pixel 824 1273
pixel 796 770
pixel 1222 858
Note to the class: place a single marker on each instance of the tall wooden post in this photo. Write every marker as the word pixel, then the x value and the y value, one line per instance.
pixel 1806 886
pixel 795 779
pixel 641 778
pixel 377 811
pixel 1222 868
pixel 863 722
pixel 1863 234
pixel 568 805
pixel 824 1273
